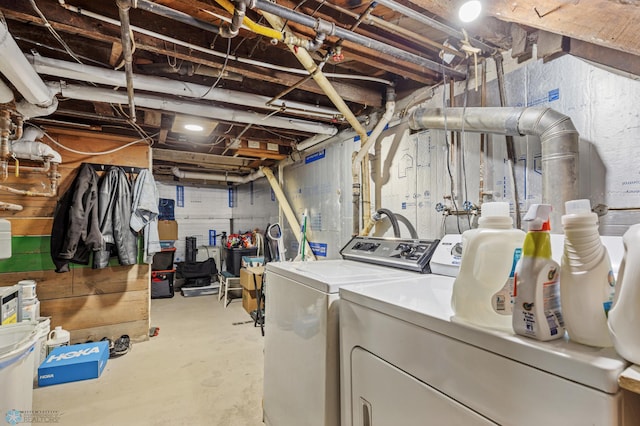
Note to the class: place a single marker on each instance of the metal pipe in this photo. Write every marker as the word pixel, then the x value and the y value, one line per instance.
pixel 256 28
pixel 396 29
pixel 176 15
pixel 125 30
pixel 558 136
pixel 201 110
pixel 239 12
pixel 331 29
pixel 391 4
pixel 196 48
pixel 75 71
pixel 308 63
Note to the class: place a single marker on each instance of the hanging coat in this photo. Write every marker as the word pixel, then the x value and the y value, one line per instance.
pixel 75 233
pixel 114 216
pixel 145 213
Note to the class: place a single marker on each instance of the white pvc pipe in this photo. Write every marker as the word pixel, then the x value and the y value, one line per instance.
pixel 6 94
pixel 167 86
pixel 192 108
pixel 218 177
pixel 20 73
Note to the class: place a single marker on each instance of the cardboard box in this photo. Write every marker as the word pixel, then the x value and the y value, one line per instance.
pixel 72 363
pixel 168 230
pixel 249 300
pixel 247 274
pixel 249 261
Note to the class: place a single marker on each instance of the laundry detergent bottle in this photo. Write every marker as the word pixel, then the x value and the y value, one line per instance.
pixel 536 306
pixel 481 291
pixel 587 283
pixel 624 316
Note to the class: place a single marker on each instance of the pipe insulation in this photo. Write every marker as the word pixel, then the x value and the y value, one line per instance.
pixel 558 136
pixel 94 94
pixel 15 67
pixel 30 149
pixel 75 71
pixel 6 94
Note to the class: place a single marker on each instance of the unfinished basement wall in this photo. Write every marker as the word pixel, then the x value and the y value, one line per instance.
pixel 90 303
pixel 413 169
pixel 254 206
pixel 203 212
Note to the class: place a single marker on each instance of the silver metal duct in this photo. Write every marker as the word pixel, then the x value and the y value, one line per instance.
pixel 558 135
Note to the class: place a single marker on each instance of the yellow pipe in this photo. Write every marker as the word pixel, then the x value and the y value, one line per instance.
pixel 254 27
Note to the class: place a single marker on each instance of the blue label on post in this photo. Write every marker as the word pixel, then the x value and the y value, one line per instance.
pixel 212 237
pixel 231 196
pixel 180 195
pixel 319 249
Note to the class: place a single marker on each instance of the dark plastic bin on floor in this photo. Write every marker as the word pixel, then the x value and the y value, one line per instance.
pixel 233 258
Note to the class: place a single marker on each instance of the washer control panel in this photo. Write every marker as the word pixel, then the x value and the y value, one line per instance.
pixel 409 254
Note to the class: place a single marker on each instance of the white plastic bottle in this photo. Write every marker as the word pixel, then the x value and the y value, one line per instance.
pixel 587 283
pixel 624 316
pixel 481 293
pixel 57 337
pixel 536 307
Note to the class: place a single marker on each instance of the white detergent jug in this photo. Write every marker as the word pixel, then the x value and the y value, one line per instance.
pixel 57 337
pixel 624 316
pixel 481 291
pixel 587 283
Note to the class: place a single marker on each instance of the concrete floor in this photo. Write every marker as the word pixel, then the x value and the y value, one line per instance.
pixel 204 368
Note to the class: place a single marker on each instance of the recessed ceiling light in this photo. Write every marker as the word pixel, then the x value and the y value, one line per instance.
pixel 470 10
pixel 194 127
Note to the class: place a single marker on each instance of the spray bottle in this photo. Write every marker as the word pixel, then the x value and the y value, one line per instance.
pixel 536 310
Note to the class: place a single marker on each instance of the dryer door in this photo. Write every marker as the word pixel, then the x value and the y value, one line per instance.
pixel 382 394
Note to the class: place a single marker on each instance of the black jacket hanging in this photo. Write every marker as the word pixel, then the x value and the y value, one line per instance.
pixel 114 216
pixel 75 233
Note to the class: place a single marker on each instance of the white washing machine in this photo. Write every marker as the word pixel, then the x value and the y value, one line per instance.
pixel 301 348
pixel 404 362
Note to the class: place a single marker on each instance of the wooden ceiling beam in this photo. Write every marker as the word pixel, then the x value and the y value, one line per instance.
pixel 72 23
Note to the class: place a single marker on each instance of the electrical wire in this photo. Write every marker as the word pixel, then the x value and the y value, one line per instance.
pixel 221 73
pixel 53 32
pixel 111 151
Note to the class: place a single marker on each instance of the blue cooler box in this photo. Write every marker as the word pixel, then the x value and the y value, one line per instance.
pixel 72 363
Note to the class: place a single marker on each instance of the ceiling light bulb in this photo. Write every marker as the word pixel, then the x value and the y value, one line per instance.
pixel 194 127
pixel 470 10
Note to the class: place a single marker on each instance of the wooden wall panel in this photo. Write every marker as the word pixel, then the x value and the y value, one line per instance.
pixel 75 313
pixel 92 304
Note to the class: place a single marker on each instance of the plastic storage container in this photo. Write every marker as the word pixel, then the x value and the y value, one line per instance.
pixel 624 316
pixel 233 258
pixel 587 283
pixel 536 290
pixel 17 357
pixel 481 291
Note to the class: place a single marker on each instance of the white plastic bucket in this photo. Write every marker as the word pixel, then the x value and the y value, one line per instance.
pixel 43 328
pixel 17 343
